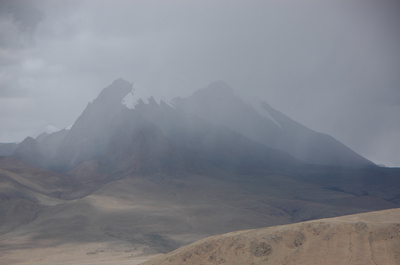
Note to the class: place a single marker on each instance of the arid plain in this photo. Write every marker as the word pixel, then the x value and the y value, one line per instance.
pixel 369 238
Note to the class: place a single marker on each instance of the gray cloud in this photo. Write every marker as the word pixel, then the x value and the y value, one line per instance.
pixel 333 66
pixel 19 19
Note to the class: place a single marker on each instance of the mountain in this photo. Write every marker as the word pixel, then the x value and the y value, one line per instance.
pixel 43 132
pixel 211 131
pixel 7 149
pixel 371 238
pixel 91 132
pixel 214 122
pixel 256 120
pixel 138 176
pixel 29 152
pixel 110 131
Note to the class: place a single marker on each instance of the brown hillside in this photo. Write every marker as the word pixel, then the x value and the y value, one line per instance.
pixel 369 238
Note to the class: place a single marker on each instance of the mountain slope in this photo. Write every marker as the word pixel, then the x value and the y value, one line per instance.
pixel 7 149
pixel 25 191
pixel 91 132
pixel 106 129
pixel 257 120
pixel 221 145
pixel 213 122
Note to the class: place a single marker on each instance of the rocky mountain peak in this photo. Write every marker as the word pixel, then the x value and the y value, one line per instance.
pixel 114 93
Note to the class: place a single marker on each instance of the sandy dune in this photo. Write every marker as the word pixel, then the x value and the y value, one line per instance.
pixel 362 239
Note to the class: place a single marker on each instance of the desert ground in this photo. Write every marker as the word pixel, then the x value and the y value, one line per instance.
pixel 367 238
pixel 118 253
pixel 135 219
pixel 370 238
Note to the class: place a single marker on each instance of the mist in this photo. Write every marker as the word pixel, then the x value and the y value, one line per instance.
pixel 332 66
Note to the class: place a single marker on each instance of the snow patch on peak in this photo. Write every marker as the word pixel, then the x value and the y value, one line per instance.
pixel 256 104
pixel 141 94
pixel 51 128
pixel 48 129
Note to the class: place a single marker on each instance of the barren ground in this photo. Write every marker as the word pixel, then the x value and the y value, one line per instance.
pixel 370 238
pixel 71 254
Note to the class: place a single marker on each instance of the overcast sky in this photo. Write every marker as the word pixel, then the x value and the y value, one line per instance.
pixel 333 66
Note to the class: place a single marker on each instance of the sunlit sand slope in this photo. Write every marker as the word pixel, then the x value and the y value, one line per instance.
pixel 370 238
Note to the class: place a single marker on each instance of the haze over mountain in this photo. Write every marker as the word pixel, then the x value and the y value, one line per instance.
pixel 212 116
pixel 147 167
pixel 43 132
pixel 331 66
pixel 257 120
pixel 147 176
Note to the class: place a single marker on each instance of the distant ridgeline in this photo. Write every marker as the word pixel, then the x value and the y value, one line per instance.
pixel 214 123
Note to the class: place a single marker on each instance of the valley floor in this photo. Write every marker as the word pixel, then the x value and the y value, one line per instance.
pixel 369 238
pixel 130 218
pixel 74 254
